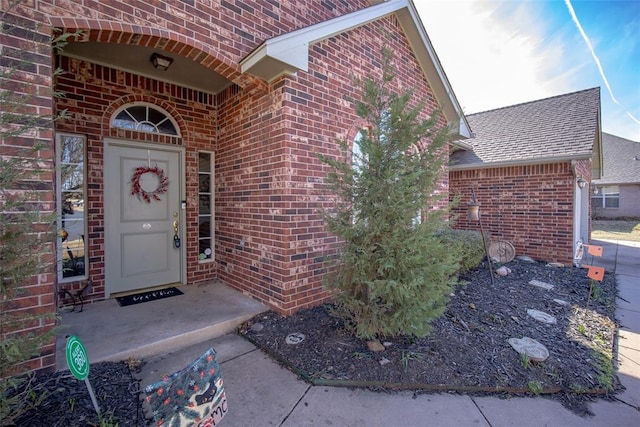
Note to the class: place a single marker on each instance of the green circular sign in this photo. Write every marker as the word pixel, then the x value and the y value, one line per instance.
pixel 77 358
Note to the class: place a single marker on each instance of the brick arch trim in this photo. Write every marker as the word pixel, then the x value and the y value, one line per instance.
pixel 358 124
pixel 136 99
pixel 106 31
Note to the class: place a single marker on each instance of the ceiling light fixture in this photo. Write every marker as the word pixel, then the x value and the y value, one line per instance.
pixel 160 62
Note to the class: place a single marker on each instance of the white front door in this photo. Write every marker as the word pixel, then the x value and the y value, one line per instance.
pixel 140 213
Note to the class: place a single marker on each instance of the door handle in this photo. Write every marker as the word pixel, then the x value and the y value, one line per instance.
pixel 176 238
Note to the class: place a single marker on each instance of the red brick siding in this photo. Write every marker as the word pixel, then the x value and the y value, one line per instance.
pixel 529 206
pixel 271 238
pixel 37 293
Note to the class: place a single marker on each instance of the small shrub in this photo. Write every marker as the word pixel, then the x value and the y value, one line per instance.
pixel 466 244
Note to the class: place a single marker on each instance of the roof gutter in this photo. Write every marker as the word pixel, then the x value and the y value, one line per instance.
pixel 544 160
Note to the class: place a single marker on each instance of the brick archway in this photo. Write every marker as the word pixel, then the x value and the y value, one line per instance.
pixel 106 31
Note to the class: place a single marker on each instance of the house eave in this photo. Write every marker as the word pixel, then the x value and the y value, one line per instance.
pixel 528 162
pixel 462 145
pixel 289 53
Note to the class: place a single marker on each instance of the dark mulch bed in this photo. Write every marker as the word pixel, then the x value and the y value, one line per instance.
pixel 468 350
pixel 68 402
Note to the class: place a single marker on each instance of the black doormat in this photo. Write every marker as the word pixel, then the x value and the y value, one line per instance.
pixel 148 296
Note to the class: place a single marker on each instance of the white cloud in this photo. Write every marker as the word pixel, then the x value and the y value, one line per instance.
pixel 491 62
pixel 497 54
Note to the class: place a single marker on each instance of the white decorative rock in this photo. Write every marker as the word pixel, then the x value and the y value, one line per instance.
pixel 525 258
pixel 561 302
pixel 543 317
pixel 541 284
pixel 257 327
pixel 555 264
pixel 532 348
pixel 384 361
pixel 294 338
pixel 503 271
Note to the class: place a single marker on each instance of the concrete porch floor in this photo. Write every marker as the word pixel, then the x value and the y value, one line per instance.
pixel 110 332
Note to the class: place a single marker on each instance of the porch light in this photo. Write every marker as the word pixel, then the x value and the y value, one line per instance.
pixel 582 183
pixel 473 211
pixel 160 62
pixel 473 214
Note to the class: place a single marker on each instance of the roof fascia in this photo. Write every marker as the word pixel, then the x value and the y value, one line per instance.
pixel 289 53
pixel 540 161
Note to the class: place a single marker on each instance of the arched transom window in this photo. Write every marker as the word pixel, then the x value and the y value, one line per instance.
pixel 145 118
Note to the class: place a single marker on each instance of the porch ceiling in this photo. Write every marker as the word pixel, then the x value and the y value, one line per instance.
pixel 136 59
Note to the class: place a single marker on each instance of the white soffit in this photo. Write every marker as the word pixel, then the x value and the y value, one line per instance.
pixel 289 53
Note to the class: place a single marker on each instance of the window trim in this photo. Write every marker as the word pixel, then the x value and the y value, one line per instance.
pixel 211 213
pixel 59 208
pixel 148 106
pixel 607 192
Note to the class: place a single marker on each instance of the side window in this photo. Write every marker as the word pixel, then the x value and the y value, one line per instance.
pixel 206 206
pixel 606 197
pixel 71 191
pixel 357 160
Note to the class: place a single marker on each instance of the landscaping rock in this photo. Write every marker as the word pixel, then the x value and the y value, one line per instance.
pixel 532 348
pixel 257 327
pixel 555 264
pixel 543 317
pixel 294 338
pixel 503 271
pixel 541 284
pixel 375 346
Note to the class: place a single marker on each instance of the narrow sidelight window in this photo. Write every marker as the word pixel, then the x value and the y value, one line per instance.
pixel 71 191
pixel 206 206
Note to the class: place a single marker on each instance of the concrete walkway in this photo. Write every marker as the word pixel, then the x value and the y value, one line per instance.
pixel 262 393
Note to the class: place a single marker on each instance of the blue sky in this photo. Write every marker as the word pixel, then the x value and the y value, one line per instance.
pixel 500 53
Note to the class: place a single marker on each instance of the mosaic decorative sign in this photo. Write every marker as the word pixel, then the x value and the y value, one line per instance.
pixel 192 397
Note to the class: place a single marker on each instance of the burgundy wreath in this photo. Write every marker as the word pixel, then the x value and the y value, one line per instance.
pixel 137 190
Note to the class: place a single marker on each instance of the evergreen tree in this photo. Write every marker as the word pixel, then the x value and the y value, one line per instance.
pixel 394 274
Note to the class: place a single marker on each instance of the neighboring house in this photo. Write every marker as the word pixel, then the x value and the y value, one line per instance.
pixel 190 153
pixel 617 193
pixel 530 165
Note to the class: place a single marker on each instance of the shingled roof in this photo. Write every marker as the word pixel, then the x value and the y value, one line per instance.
pixel 560 128
pixel 621 161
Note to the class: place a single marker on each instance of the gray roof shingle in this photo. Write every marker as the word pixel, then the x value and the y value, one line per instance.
pixel 621 160
pixel 561 127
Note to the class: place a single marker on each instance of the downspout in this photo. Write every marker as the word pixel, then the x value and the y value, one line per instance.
pixel 578 213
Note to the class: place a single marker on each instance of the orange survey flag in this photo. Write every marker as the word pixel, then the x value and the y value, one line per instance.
pixel 594 250
pixel 595 273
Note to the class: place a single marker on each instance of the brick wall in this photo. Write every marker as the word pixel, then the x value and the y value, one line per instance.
pixel 22 51
pixel 271 238
pixel 529 206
